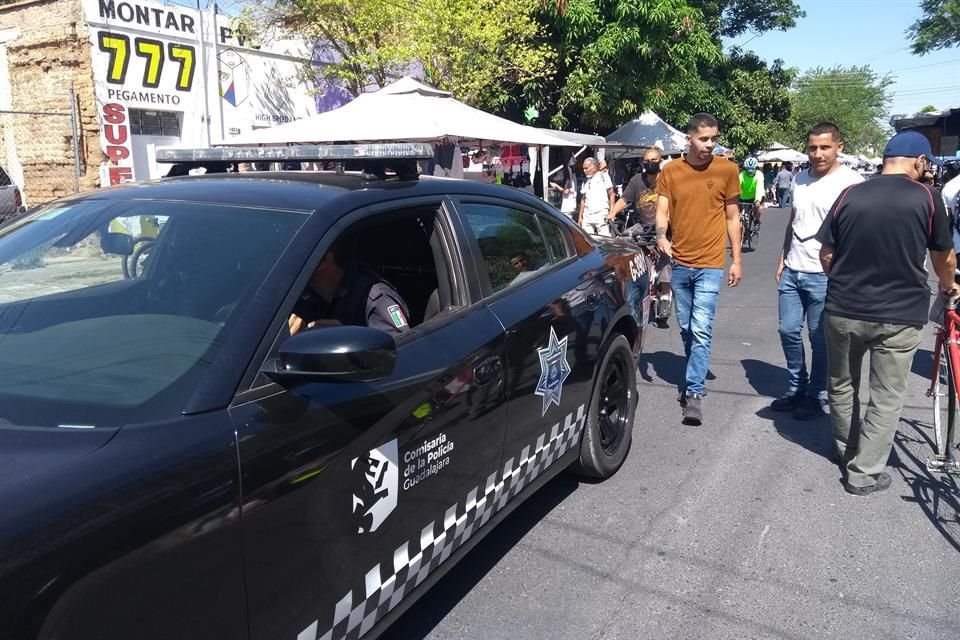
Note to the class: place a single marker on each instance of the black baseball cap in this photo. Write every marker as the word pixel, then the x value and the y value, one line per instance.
pixel 910 144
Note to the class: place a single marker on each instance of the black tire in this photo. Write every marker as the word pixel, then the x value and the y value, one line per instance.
pixel 753 239
pixel 608 431
pixel 944 407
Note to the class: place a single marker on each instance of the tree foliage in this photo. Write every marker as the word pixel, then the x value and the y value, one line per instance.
pixel 614 56
pixel 618 58
pixel 939 28
pixel 733 18
pixel 750 98
pixel 856 99
pixel 478 49
pixel 585 65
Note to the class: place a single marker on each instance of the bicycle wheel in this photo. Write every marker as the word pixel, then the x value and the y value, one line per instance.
pixel 754 239
pixel 944 406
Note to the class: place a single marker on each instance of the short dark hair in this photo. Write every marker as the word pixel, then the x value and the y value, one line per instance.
pixel 825 127
pixel 698 120
pixel 788 166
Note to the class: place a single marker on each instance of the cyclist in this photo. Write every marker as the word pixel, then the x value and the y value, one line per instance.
pixel 752 190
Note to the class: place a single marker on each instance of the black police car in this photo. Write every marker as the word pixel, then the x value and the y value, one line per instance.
pixel 174 464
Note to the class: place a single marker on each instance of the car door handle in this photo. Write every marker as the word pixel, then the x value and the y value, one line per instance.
pixel 488 370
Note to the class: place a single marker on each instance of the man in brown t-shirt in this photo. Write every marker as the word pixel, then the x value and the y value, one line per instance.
pixel 698 197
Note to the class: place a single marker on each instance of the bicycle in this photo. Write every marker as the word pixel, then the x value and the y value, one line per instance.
pixel 945 386
pixel 749 227
pixel 657 306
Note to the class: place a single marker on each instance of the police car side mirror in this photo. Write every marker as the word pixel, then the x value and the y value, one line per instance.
pixel 120 244
pixel 334 354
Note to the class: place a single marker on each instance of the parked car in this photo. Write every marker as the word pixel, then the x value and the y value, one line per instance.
pixel 177 465
pixel 11 200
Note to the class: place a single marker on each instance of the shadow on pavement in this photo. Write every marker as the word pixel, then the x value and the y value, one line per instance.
pixel 937 494
pixel 418 621
pixel 771 381
pixel 765 378
pixel 668 366
pixel 923 363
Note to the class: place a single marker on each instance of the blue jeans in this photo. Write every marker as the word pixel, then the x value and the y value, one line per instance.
pixel 783 197
pixel 802 295
pixel 695 293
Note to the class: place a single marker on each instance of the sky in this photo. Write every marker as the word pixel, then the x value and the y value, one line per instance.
pixel 866 32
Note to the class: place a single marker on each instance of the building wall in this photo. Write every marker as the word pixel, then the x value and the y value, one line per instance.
pixel 44 48
pixel 209 86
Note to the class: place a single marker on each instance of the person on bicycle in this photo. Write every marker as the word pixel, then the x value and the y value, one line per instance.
pixel 752 190
pixel 874 242
pixel 641 192
pixel 801 283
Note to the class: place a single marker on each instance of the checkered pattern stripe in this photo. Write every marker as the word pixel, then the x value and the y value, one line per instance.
pixel 413 561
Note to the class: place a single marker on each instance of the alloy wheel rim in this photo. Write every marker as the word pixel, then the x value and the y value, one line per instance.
pixel 614 407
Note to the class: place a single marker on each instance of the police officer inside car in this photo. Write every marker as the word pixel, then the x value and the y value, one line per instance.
pixel 342 292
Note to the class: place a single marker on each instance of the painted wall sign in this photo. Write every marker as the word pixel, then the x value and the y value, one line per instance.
pixel 115 141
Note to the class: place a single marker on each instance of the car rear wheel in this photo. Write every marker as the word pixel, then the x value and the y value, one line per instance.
pixel 608 431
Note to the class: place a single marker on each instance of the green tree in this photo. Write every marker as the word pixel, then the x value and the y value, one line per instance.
pixel 733 18
pixel 929 109
pixel 481 50
pixel 613 57
pixel 478 49
pixel 618 58
pixel 856 99
pixel 363 42
pixel 939 28
pixel 750 98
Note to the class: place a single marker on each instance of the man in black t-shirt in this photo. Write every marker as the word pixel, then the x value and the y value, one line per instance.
pixel 874 244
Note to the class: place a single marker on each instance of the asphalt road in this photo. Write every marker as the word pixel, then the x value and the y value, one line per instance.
pixel 736 529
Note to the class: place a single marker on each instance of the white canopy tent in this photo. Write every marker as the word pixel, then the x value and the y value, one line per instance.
pixel 404 111
pixel 410 111
pixel 782 155
pixel 647 131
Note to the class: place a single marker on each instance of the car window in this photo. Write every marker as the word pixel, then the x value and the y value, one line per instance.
pixel 510 241
pixel 111 311
pixel 393 273
pixel 53 267
pixel 4 178
pixel 558 241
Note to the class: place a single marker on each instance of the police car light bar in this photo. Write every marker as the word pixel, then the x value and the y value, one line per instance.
pixel 305 153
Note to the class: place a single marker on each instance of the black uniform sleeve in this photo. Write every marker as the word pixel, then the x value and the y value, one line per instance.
pixel 309 306
pixel 941 238
pixel 386 310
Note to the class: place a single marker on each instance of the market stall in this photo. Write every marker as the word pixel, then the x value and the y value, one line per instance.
pixel 410 111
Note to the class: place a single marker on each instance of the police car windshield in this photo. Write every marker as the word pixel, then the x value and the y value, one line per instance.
pixel 110 311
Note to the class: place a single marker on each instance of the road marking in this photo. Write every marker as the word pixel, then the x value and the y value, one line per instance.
pixel 763 534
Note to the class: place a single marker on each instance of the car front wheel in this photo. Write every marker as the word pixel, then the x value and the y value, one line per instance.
pixel 608 431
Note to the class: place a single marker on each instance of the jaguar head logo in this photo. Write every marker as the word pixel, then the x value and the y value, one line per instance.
pixel 375 481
